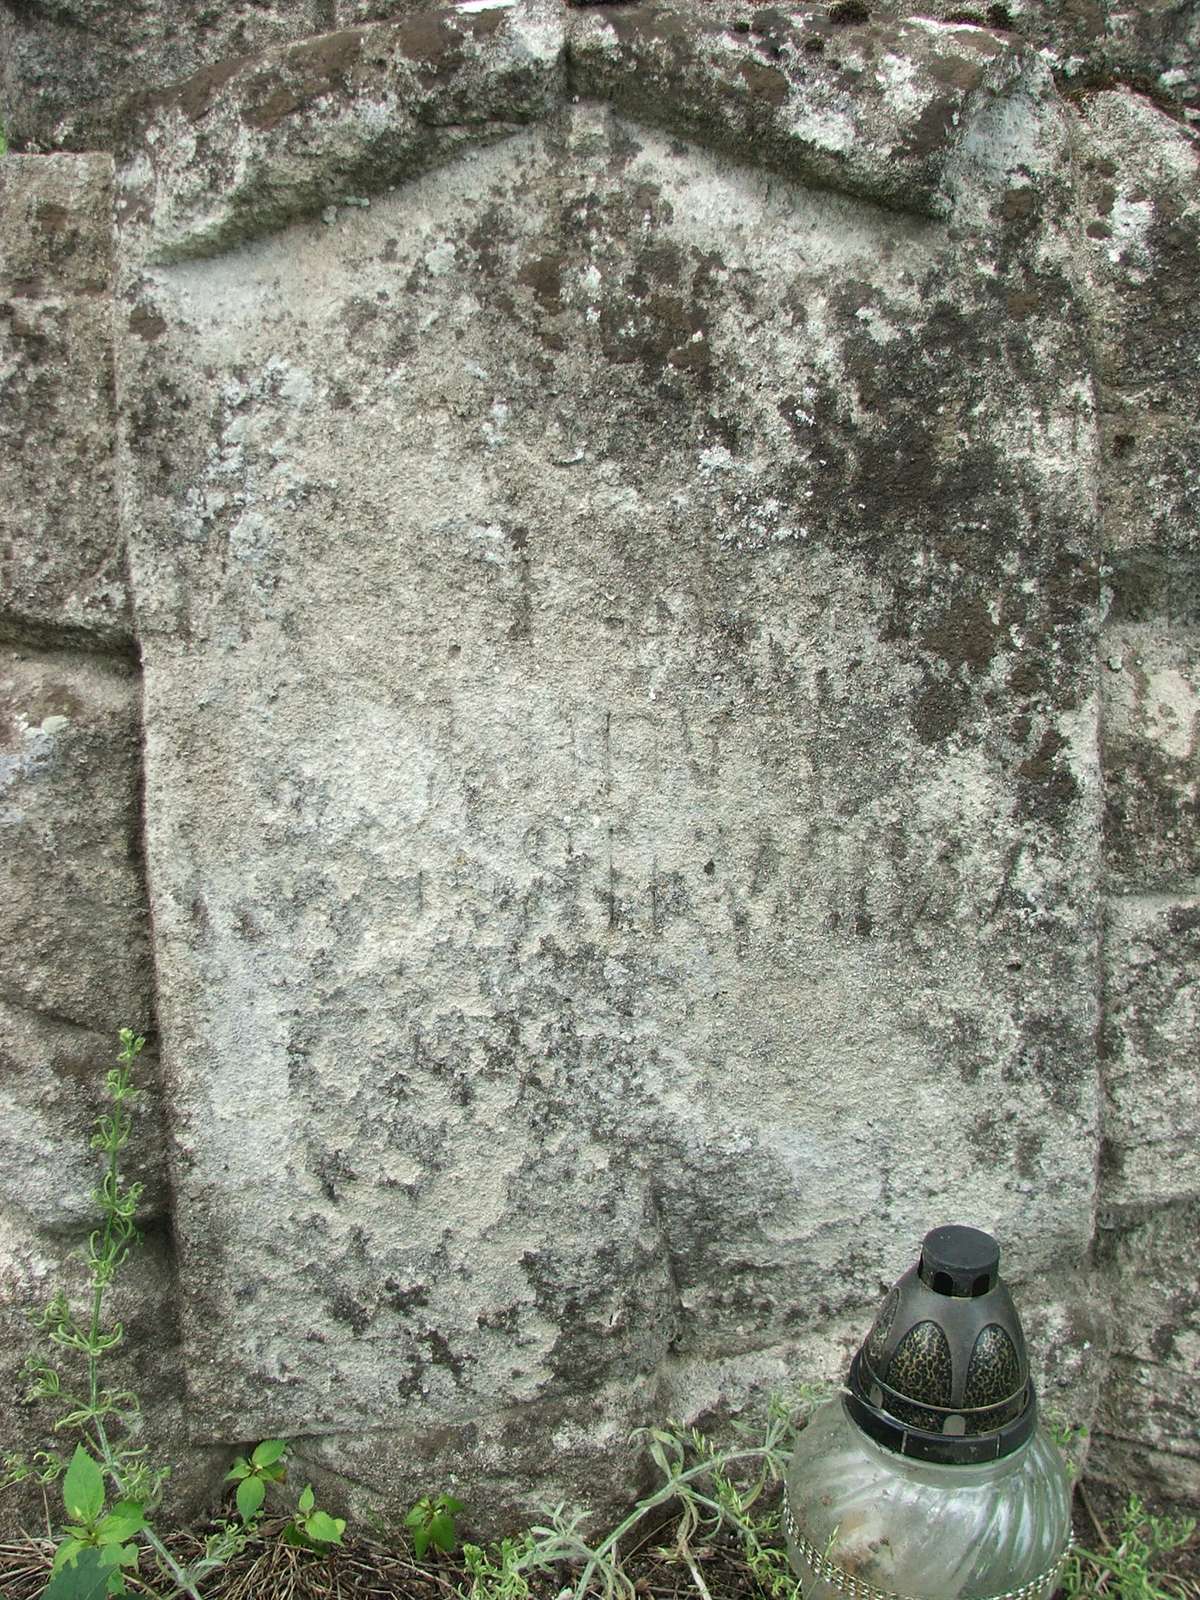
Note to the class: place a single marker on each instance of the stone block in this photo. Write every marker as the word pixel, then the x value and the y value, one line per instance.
pixel 525 1455
pixel 1151 677
pixel 55 225
pixel 1151 501
pixel 62 573
pixel 1153 46
pixel 249 145
pixel 1151 1090
pixel 62 577
pixel 878 111
pixel 73 919
pixel 1147 1427
pixel 70 62
pixel 1141 200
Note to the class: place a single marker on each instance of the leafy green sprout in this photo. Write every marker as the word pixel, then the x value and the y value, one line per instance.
pixel 431 1522
pixel 110 1534
pixel 1067 1436
pixel 267 1464
pixel 312 1528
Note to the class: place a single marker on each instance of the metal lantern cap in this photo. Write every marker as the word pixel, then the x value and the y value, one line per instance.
pixel 943 1375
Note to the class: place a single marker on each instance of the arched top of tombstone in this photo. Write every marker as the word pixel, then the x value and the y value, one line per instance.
pixel 911 115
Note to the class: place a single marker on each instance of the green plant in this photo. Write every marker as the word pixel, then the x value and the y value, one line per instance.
pixel 99 1542
pixel 431 1522
pixel 267 1464
pixel 712 1492
pixel 104 1417
pixel 498 1572
pixel 759 1531
pixel 108 1535
pixel 1127 1568
pixel 311 1528
pixel 1068 1436
pixel 3 141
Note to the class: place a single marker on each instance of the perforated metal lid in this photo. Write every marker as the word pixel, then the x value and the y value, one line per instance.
pixel 943 1374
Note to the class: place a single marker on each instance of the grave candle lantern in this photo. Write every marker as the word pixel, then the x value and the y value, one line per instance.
pixel 929 1476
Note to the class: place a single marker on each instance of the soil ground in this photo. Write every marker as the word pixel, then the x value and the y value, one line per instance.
pixel 366 1569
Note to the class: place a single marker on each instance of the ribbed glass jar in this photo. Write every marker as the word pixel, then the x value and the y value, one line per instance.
pixel 885 1522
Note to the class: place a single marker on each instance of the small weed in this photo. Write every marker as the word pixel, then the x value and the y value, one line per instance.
pixel 1126 1568
pixel 713 1493
pixel 431 1522
pixel 312 1528
pixel 98 1539
pixel 1069 1438
pixel 267 1464
pixel 109 1489
pixel 498 1573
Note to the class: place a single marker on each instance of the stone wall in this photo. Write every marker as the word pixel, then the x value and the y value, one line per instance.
pixel 598 631
pixel 1142 211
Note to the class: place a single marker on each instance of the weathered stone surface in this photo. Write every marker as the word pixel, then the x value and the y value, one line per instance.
pixel 1153 46
pixel 1151 1088
pixel 61 562
pixel 53 1085
pixel 621 767
pixel 1152 753
pixel 1140 176
pixel 1145 1430
pixel 354 13
pixel 247 146
pixel 1142 211
pixel 526 1455
pixel 1141 195
pixel 1151 504
pixel 73 920
pixel 66 64
pixel 56 234
pixel 621 640
pixel 882 116
pixel 64 67
pixel 912 115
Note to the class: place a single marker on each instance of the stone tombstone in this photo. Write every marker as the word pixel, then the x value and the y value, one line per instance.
pixel 615 593
pixel 612 545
